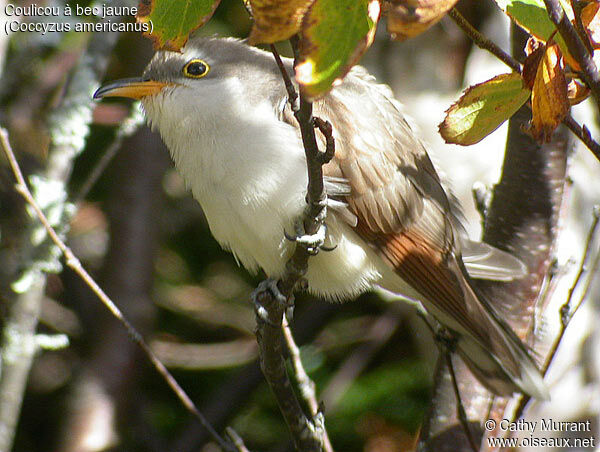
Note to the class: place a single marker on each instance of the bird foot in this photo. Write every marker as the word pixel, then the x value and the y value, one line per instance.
pixel 311 242
pixel 268 288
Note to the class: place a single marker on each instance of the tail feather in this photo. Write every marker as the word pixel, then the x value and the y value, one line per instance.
pixel 491 372
pixel 498 357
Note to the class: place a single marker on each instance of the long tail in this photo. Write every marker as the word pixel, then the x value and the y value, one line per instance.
pixel 497 357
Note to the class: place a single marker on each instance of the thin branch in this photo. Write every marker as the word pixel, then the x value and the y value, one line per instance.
pixel 307 434
pixel 236 440
pixel 289 86
pixel 73 262
pixel 462 415
pixel 577 6
pixel 566 314
pixel 589 71
pixel 482 42
pixel 305 384
pixel 583 134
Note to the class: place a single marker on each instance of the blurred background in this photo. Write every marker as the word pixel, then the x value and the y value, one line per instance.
pixel 137 230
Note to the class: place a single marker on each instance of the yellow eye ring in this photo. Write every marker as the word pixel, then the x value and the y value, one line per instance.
pixel 196 68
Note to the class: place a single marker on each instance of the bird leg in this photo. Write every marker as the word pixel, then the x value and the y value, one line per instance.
pixel 311 242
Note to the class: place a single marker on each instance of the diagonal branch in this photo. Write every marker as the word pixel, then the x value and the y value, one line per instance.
pixel 482 42
pixel 73 262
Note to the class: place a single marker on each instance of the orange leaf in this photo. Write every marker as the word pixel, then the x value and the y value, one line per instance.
pixel 549 101
pixel 577 92
pixel 408 18
pixel 590 17
pixel 276 20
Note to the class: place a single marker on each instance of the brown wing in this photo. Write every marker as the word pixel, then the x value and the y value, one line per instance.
pixel 396 195
pixel 399 208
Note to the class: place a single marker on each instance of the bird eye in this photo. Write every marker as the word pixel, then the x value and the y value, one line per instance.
pixel 196 69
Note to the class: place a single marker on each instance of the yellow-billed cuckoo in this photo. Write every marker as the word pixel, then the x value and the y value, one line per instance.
pixel 221 108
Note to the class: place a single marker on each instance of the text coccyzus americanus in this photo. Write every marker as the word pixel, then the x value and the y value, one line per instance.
pixel 220 107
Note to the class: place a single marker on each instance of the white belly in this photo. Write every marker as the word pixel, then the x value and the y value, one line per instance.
pixel 252 188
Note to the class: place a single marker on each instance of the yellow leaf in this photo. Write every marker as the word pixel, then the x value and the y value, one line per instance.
pixel 483 108
pixel 276 20
pixel 549 100
pixel 408 18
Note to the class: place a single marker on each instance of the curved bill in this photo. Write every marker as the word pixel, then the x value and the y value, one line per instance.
pixel 133 88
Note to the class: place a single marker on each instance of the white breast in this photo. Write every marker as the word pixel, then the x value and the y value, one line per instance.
pixel 249 174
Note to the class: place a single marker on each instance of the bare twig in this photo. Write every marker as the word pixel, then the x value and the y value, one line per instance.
pixel 236 440
pixel 305 384
pixel 289 86
pixel 307 434
pixel 126 129
pixel 68 128
pixel 583 134
pixel 482 42
pixel 577 6
pixel 566 313
pixel 73 262
pixel 589 71
pixel 462 415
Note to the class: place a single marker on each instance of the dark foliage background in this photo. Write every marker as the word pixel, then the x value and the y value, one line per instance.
pixel 146 241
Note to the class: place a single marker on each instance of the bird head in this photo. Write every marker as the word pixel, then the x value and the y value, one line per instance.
pixel 208 80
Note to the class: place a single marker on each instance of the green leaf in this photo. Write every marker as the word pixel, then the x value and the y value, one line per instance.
pixel 483 108
pixel 533 17
pixel 172 21
pixel 334 36
pixel 529 14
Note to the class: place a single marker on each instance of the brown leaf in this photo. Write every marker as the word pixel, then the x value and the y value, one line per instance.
pixel 590 17
pixel 535 52
pixel 276 20
pixel 408 18
pixel 577 92
pixel 549 101
pixel 532 45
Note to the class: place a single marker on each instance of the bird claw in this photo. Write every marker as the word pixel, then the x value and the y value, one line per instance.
pixel 311 242
pixel 269 286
